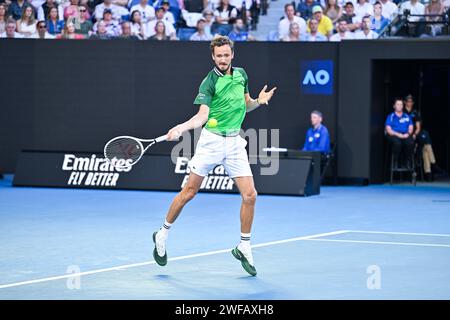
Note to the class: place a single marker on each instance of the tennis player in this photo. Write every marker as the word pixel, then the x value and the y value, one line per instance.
pixel 223 95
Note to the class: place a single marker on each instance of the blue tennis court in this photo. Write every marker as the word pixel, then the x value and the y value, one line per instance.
pixel 375 242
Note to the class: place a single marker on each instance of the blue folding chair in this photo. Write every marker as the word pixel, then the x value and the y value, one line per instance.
pixel 185 34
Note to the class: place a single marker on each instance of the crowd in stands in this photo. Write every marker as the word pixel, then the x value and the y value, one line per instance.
pixel 200 20
pixel 337 20
pixel 129 19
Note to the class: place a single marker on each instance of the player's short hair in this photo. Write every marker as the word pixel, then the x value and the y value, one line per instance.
pixel 409 97
pixel 317 113
pixel 219 41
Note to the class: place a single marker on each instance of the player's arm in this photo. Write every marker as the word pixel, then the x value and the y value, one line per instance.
pixel 250 103
pixel 195 122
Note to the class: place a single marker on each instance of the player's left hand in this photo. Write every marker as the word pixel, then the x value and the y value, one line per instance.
pixel 264 97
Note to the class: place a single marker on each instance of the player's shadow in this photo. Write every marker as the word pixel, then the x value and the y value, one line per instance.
pixel 163 277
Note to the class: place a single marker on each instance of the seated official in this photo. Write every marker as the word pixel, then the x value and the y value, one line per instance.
pixel 422 138
pixel 399 129
pixel 317 137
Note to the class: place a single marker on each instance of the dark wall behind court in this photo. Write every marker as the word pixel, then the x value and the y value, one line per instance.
pixel 76 95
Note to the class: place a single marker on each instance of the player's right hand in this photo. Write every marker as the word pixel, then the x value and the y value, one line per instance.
pixel 174 133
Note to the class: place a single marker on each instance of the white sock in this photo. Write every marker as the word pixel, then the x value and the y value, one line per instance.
pixel 165 228
pixel 245 239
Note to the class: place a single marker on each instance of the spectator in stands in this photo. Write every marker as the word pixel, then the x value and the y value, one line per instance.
pixel 151 26
pixel 353 21
pixel 208 14
pixel 177 4
pixel 71 11
pixel 434 7
pixel 111 25
pixel 35 3
pixel 363 8
pixel 82 24
pixel 92 4
pixel 446 4
pixel 414 7
pixel 126 31
pixel 422 138
pixel 239 32
pixel 378 22
pixel 284 24
pixel 317 137
pixel 325 26
pixel 10 30
pixel 136 25
pixel 225 13
pixel 240 5
pixel 342 32
pixel 294 33
pixel 253 13
pixel 168 16
pixel 117 11
pixel 313 34
pixel 54 24
pixel 201 34
pixel 366 32
pixel 2 18
pixel 389 9
pixel 399 130
pixel 121 3
pixel 26 25
pixel 304 8
pixel 160 32
pixel 42 32
pixel 42 11
pixel 332 10
pixel 194 5
pixel 16 7
pixel 69 32
pixel 101 33
pixel 146 10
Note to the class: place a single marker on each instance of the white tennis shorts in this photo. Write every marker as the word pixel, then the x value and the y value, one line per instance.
pixel 213 149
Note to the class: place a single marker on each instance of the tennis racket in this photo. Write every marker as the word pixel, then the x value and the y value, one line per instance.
pixel 124 151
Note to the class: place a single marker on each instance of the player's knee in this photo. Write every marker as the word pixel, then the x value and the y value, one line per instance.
pixel 250 197
pixel 188 194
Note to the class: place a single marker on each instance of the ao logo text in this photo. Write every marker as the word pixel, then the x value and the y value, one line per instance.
pixel 316 77
pixel 322 77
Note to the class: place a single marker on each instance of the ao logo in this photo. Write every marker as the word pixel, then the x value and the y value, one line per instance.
pixel 321 77
pixel 316 77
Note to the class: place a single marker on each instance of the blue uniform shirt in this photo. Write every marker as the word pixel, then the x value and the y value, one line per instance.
pixel 399 124
pixel 317 140
pixel 238 36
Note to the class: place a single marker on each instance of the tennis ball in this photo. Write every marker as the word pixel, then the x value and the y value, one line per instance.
pixel 212 122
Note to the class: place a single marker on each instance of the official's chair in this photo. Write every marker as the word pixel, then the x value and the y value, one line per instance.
pixel 397 167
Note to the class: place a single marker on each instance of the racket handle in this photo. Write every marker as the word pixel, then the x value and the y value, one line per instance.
pixel 161 138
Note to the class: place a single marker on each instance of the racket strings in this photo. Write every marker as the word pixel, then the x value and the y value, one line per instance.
pixel 123 148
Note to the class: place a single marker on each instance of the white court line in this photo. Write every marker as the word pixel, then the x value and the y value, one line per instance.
pixel 403 233
pixel 384 242
pixel 73 275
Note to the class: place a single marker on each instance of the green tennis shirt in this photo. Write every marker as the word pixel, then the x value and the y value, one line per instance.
pixel 225 96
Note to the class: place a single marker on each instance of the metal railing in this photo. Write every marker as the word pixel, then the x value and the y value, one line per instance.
pixel 402 24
